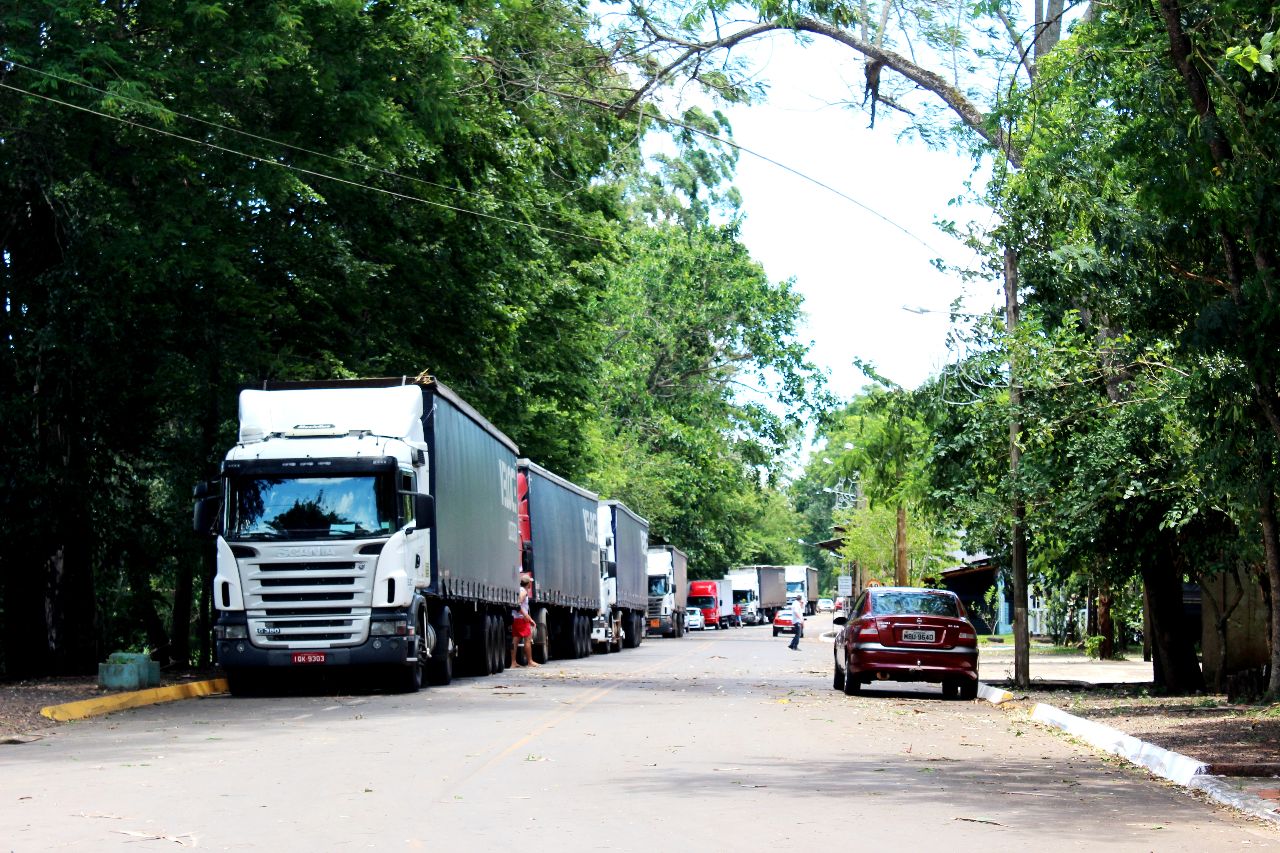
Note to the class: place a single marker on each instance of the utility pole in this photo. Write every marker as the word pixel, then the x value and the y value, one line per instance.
pixel 1018 535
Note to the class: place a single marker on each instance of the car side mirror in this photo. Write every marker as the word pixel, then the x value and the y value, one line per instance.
pixel 839 620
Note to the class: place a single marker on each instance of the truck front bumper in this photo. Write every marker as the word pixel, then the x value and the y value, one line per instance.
pixel 658 625
pixel 376 651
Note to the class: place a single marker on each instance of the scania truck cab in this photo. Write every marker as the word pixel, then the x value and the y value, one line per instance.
pixel 349 537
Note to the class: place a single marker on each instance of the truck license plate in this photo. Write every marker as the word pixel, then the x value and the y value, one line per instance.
pixel 308 657
pixel 655 623
pixel 918 636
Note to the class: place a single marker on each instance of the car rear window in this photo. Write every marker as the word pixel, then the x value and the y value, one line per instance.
pixel 927 603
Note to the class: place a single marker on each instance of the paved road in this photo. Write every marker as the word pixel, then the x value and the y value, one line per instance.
pixel 715 741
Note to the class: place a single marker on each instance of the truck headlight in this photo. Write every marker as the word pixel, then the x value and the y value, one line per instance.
pixel 388 628
pixel 231 632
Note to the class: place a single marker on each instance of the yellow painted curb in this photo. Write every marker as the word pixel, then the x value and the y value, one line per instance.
pixel 133 699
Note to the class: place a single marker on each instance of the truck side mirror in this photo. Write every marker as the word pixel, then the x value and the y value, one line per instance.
pixel 424 511
pixel 208 502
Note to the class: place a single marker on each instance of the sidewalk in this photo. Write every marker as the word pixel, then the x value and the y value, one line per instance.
pixel 996 665
pixel 1258 796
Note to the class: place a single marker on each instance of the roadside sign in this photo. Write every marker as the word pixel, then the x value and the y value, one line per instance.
pixel 844 585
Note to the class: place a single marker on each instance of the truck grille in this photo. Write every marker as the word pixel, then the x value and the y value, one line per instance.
pixel 302 605
pixel 655 607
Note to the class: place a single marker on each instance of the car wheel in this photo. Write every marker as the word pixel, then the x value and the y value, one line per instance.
pixel 969 690
pixel 837 679
pixel 852 683
pixel 950 689
pixel 775 632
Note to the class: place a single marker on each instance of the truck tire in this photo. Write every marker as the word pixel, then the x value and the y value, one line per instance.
pixel 441 670
pixel 408 679
pixel 493 642
pixel 541 636
pixel 584 635
pixel 631 636
pixel 243 682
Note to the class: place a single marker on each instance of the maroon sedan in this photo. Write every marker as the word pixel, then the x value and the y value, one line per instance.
pixel 907 634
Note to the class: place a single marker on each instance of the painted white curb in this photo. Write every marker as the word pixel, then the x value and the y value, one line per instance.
pixel 1224 792
pixel 1164 763
pixel 993 695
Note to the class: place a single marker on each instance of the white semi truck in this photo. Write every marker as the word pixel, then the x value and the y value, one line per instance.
pixel 624 577
pixel 363 523
pixel 668 590
pixel 560 547
pixel 802 583
pixel 760 591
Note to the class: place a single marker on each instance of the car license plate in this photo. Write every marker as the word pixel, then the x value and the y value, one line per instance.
pixel 308 657
pixel 918 636
pixel 655 623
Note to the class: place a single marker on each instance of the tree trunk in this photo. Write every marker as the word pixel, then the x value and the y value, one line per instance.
pixel 1106 629
pixel 1271 548
pixel 1176 667
pixel 900 574
pixel 1018 537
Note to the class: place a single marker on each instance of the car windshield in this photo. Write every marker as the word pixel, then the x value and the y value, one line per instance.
pixel 702 600
pixel 658 585
pixel 926 603
pixel 350 507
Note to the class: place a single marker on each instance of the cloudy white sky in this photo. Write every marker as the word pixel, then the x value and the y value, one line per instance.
pixel 855 270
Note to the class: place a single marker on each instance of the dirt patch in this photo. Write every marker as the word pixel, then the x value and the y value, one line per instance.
pixel 1206 728
pixel 21 701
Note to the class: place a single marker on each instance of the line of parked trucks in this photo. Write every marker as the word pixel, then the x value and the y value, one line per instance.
pixel 385 523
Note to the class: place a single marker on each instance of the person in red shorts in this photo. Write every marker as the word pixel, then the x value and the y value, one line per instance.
pixel 522 625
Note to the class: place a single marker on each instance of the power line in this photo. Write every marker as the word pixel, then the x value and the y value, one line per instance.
pixel 300 169
pixel 637 109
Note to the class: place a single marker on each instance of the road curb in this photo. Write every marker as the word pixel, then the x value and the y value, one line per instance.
pixel 133 699
pixel 994 695
pixel 1167 764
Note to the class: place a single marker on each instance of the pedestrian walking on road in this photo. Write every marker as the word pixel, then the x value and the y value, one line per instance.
pixel 797 616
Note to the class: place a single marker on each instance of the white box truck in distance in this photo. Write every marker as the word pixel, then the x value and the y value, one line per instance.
pixel 363 523
pixel 802 582
pixel 668 590
pixel 760 591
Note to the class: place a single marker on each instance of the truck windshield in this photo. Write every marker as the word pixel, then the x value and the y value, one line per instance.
pixel 351 507
pixel 658 585
pixel 795 588
pixel 742 596
pixel 702 601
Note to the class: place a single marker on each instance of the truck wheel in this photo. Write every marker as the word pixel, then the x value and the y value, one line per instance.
pixel 584 635
pixel 441 670
pixel 241 682
pixel 541 637
pixel 493 642
pixel 408 679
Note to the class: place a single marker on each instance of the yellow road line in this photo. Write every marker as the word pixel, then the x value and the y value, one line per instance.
pixel 592 696
pixel 133 699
